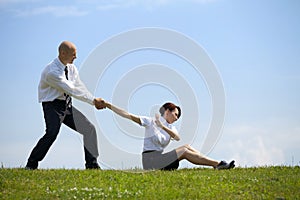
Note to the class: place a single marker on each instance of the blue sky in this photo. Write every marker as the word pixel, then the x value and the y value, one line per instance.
pixel 254 44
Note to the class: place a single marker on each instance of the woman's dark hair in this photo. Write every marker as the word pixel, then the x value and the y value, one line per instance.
pixel 169 106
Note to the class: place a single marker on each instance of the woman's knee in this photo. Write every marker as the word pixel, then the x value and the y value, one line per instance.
pixel 183 151
pixel 186 147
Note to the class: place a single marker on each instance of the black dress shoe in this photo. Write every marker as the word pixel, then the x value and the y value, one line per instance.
pixel 31 165
pixel 29 168
pixel 92 166
pixel 225 165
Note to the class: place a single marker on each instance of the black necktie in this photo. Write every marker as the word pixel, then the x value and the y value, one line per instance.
pixel 68 98
pixel 66 72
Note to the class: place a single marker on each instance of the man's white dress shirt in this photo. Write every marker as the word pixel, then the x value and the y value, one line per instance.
pixel 54 84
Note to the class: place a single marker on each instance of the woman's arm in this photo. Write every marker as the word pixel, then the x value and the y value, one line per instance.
pixel 123 113
pixel 172 133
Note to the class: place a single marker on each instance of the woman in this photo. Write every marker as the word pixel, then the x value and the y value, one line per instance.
pixel 158 133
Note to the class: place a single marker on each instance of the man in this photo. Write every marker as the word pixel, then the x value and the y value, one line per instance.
pixel 59 81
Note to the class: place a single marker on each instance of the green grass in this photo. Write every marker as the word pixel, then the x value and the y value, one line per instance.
pixel 203 183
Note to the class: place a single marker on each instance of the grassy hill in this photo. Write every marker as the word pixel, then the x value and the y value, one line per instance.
pixel 201 183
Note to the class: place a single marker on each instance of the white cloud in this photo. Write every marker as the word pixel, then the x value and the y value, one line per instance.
pixel 58 11
pixel 61 9
pixel 148 4
pixel 260 144
pixel 107 7
pixel 8 3
pixel 16 1
pixel 255 152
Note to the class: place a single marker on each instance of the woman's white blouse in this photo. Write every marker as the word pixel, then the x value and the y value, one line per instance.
pixel 155 137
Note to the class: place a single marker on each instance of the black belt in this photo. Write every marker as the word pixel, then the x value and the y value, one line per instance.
pixel 59 102
pixel 55 101
pixel 149 151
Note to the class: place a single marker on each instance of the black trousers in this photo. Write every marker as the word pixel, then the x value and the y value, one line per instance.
pixel 55 114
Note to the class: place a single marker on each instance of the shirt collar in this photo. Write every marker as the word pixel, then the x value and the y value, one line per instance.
pixel 59 63
pixel 164 121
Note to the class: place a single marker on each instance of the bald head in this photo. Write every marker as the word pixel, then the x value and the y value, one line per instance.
pixel 66 46
pixel 67 52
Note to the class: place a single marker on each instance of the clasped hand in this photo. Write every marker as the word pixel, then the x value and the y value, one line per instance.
pixel 99 103
pixel 157 121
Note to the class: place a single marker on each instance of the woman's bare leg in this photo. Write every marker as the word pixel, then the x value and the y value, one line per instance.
pixel 189 153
